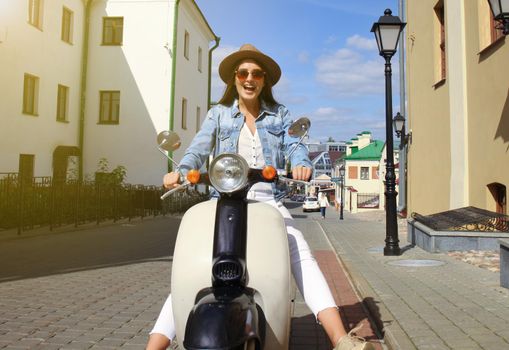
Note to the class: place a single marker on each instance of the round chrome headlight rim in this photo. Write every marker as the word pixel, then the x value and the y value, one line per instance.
pixel 228 172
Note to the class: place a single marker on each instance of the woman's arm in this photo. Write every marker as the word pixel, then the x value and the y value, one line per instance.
pixel 203 143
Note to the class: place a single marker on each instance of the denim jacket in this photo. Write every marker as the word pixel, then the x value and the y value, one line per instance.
pixel 220 132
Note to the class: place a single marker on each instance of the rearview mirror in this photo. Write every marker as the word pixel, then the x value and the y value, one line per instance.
pixel 299 127
pixel 168 140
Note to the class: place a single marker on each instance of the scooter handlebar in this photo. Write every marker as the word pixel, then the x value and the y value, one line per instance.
pixel 179 187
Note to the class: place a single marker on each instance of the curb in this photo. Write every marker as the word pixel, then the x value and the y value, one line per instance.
pixel 394 336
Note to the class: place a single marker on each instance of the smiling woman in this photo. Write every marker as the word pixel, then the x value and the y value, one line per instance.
pixel 249 122
pixel 329 57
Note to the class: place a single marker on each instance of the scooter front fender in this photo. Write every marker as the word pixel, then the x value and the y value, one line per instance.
pixel 268 267
pixel 221 321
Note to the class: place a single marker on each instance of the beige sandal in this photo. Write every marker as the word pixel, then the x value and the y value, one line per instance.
pixel 353 342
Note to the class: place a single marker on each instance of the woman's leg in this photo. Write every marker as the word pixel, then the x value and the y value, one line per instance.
pixel 164 328
pixel 310 280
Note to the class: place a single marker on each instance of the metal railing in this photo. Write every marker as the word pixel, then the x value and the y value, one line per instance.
pixel 40 201
pixel 465 219
pixel 368 200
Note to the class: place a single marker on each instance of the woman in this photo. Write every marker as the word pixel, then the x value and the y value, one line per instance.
pixel 323 202
pixel 248 120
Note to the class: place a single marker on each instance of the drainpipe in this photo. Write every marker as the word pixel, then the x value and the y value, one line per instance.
pixel 402 199
pixel 83 87
pixel 173 71
pixel 218 39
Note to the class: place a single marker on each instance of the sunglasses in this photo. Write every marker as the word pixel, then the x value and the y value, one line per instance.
pixel 242 74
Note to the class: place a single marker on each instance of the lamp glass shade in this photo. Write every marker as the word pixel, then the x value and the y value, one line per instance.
pixel 389 36
pixel 398 122
pixel 342 171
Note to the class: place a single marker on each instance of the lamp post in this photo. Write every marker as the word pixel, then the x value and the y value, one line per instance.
pixel 387 31
pixel 500 10
pixel 342 182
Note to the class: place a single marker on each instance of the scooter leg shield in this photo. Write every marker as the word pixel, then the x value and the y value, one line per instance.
pixel 221 320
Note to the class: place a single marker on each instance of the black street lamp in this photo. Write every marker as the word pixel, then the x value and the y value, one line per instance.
pixel 500 10
pixel 342 181
pixel 399 127
pixel 387 31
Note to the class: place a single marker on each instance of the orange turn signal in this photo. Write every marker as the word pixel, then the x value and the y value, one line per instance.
pixel 193 176
pixel 269 172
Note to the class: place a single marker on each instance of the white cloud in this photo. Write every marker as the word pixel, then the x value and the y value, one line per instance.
pixel 361 43
pixel 347 72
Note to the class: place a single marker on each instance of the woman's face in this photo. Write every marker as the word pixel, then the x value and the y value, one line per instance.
pixel 249 80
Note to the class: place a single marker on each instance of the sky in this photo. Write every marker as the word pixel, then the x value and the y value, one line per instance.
pixel 331 69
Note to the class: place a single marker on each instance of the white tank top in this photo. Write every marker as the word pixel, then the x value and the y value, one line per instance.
pixel 250 148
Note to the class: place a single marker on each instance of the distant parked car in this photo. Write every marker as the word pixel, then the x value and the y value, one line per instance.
pixel 310 204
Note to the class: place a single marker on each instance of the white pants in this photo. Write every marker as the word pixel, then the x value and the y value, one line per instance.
pixel 310 280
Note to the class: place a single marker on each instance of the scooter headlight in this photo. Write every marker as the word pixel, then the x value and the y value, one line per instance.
pixel 228 172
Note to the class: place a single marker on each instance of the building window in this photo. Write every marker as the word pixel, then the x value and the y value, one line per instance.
pixel 496 30
pixel 35 13
pixel 364 173
pixel 113 29
pixel 440 26
pixel 184 114
pixel 67 25
pixel 30 94
pixel 374 172
pixel 200 52
pixel 198 121
pixel 109 112
pixel 352 172
pixel 186 45
pixel 62 103
pixel 26 167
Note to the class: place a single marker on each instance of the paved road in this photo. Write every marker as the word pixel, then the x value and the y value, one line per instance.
pixel 102 288
pixel 98 288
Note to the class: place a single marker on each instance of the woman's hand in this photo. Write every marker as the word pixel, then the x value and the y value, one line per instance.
pixel 171 180
pixel 301 173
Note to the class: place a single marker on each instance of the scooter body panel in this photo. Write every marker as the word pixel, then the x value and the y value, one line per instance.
pixel 268 266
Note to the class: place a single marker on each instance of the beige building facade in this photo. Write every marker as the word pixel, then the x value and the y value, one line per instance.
pixel 86 80
pixel 458 107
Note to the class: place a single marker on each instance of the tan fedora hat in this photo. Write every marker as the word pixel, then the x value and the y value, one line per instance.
pixel 248 51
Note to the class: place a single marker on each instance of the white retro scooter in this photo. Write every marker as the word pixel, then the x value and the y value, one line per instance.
pixel 231 279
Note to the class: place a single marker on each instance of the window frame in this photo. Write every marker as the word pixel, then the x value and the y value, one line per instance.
pixel 30 94
pixel 441 54
pixel 183 120
pixel 112 119
pixel 496 32
pixel 200 59
pixel 364 173
pixel 67 25
pixel 198 118
pixel 186 44
pixel 35 19
pixel 114 28
pixel 62 103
